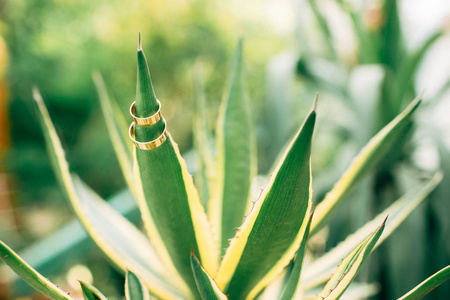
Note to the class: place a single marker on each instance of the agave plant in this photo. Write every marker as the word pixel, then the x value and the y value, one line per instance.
pixel 215 240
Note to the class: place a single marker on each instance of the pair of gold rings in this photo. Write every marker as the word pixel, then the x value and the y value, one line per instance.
pixel 153 119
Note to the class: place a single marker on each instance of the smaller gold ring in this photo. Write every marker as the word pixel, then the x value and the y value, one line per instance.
pixel 148 145
pixel 146 121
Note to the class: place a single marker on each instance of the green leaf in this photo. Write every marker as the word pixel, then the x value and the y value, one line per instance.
pixel 90 292
pixel 235 158
pixel 120 147
pixel 428 285
pixel 70 242
pixel 117 237
pixel 410 64
pixel 206 285
pixel 205 164
pixel 323 26
pixel 272 231
pixel 293 281
pixel 30 275
pixel 168 200
pixel 349 267
pixel 366 45
pixel 391 35
pixel 321 269
pixel 356 291
pixel 135 289
pixel 363 163
pixel 124 244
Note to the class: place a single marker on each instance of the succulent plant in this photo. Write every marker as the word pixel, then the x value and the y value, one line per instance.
pixel 215 241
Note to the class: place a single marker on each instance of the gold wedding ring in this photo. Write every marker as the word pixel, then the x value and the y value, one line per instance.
pixel 148 145
pixel 146 121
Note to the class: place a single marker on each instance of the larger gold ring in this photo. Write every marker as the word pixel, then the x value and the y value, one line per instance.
pixel 148 145
pixel 146 121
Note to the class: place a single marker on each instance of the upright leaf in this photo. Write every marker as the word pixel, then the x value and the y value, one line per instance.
pixel 235 158
pixel 31 276
pixel 293 281
pixel 90 292
pixel 321 269
pixel 428 285
pixel 366 45
pixel 206 285
pixel 135 289
pixel 120 147
pixel 391 33
pixel 349 267
pixel 410 64
pixel 116 236
pixel 168 200
pixel 366 160
pixel 272 231
pixel 205 165
pixel 324 28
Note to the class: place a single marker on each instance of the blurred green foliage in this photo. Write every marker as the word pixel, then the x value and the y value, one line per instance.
pixel 366 71
pixel 56 44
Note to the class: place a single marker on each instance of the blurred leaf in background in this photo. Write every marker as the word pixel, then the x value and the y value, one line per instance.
pixel 367 59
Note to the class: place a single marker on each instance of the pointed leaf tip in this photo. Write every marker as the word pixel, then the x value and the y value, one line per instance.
pixel 140 43
pixel 384 222
pixel 90 292
pixel 316 98
pixel 36 94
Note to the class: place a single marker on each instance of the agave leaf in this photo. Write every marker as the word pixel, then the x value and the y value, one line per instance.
pixel 293 281
pixel 205 164
pixel 135 288
pixel 206 285
pixel 120 147
pixel 272 231
pixel 363 163
pixel 321 269
pixel 409 65
pixel 275 288
pixel 391 34
pixel 428 285
pixel 168 200
pixel 323 25
pixel 356 291
pixel 69 242
pixel 125 244
pixel 90 292
pixel 122 124
pixel 117 237
pixel 235 158
pixel 349 267
pixel 30 275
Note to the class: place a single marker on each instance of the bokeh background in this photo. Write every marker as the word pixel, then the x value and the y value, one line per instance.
pixel 366 58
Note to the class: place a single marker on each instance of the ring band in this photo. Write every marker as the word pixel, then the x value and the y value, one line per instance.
pixel 146 121
pixel 148 145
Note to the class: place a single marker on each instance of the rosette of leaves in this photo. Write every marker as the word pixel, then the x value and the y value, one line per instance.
pixel 212 240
